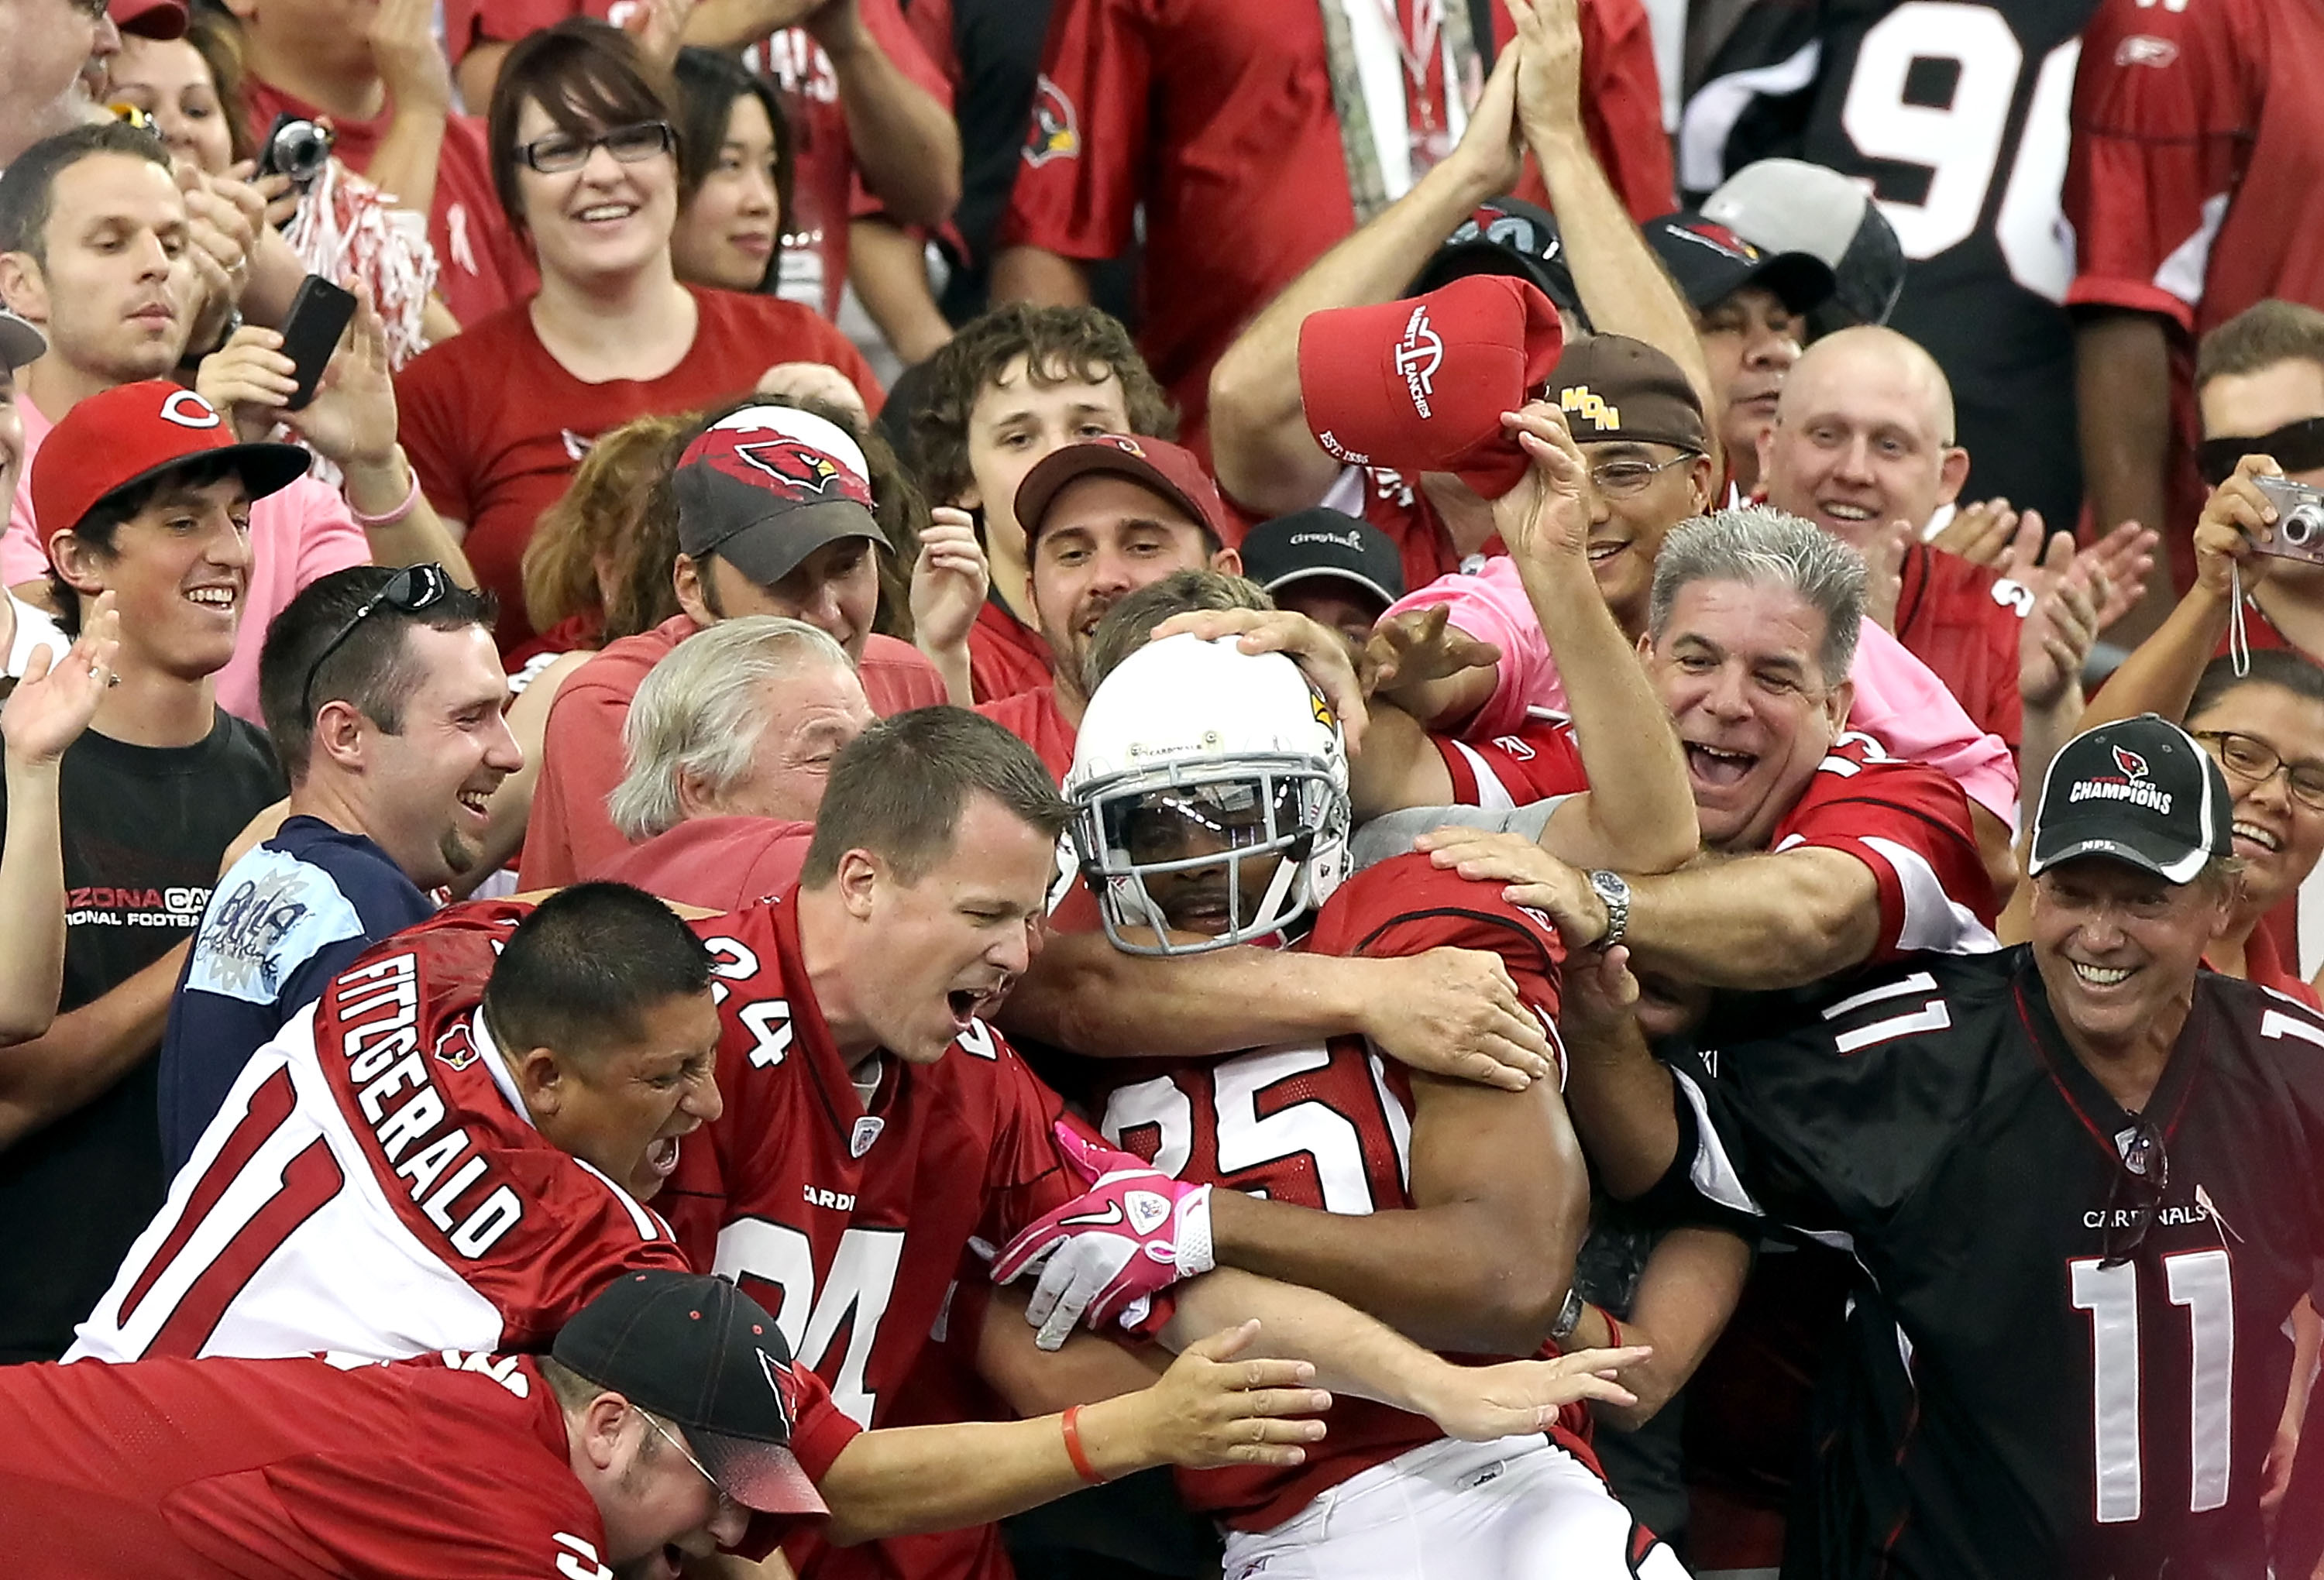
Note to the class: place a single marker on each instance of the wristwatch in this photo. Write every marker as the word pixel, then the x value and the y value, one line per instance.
pixel 1615 895
pixel 1568 1317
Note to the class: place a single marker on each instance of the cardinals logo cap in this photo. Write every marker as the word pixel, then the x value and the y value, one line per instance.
pixel 1420 384
pixel 2139 790
pixel 768 485
pixel 134 433
pixel 695 1350
pixel 1710 263
pixel 1166 468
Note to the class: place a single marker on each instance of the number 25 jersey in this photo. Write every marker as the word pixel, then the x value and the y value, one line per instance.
pixel 2032 1387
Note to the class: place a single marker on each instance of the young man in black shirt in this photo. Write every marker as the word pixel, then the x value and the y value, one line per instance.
pixel 143 493
pixel 2083 1179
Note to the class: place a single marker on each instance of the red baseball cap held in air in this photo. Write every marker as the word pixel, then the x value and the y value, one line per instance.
pixel 134 433
pixel 1420 384
pixel 1166 468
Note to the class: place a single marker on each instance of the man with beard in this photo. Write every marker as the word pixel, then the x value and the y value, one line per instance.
pixel 383 696
pixel 1102 518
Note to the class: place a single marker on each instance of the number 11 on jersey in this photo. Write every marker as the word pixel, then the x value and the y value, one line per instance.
pixel 2202 1282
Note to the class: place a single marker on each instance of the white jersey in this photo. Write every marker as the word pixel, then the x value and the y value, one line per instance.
pixel 373 1185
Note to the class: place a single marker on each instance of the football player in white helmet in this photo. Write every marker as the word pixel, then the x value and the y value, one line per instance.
pixel 1210 792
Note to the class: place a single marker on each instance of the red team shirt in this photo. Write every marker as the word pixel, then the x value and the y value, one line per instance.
pixel 1216 116
pixel 495 426
pixel 482 267
pixel 372 1184
pixel 850 1224
pixel 824 191
pixel 1033 718
pixel 2198 149
pixel 1005 654
pixel 1964 621
pixel 718 863
pixel 1537 760
pixel 1324 1125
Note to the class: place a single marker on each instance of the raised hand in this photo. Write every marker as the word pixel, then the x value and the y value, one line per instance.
pixel 2237 520
pixel 949 579
pixel 1549 81
pixel 1883 572
pixel 352 417
pixel 410 62
pixel 2125 555
pixel 804 381
pixel 1417 647
pixel 51 704
pixel 1978 533
pixel 1544 520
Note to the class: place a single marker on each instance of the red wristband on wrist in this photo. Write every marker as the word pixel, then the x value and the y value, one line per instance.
pixel 1612 1327
pixel 1074 1449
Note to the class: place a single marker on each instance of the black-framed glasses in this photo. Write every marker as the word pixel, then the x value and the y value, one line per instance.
pixel 560 152
pixel 410 590
pixel 1622 479
pixel 2137 1192
pixel 2296 447
pixel 2250 758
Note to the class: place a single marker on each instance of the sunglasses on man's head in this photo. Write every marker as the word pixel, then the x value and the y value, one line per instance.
pixel 411 590
pixel 2296 447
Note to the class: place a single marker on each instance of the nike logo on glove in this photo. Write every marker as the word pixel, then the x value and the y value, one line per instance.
pixel 1112 1215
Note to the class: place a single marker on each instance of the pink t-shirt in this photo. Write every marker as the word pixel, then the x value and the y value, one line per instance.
pixel 1899 702
pixel 296 536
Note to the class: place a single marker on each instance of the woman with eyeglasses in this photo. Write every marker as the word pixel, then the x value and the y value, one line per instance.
pixel 584 160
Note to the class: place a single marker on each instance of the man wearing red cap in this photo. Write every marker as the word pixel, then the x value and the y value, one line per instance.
pixel 774 517
pixel 1102 518
pixel 148 497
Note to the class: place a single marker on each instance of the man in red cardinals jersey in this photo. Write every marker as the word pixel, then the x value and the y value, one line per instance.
pixel 1248 133
pixel 452 1151
pixel 1839 854
pixel 877 1129
pixel 1210 794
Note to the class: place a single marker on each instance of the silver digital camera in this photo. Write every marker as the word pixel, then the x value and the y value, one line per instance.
pixel 2298 520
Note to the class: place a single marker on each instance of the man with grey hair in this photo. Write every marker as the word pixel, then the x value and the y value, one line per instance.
pixel 1827 853
pixel 730 742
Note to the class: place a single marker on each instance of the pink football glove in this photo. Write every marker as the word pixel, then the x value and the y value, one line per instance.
pixel 1134 1233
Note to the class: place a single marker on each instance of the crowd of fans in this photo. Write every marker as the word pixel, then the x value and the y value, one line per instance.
pixel 950 788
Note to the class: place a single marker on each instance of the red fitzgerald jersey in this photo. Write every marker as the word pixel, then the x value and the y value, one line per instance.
pixel 1538 760
pixel 848 1224
pixel 2197 147
pixel 1910 824
pixel 1324 1125
pixel 372 1184
pixel 1216 115
pixel 286 1478
pixel 1963 620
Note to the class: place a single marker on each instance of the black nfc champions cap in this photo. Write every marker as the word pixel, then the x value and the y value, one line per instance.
pixel 2139 790
pixel 695 1350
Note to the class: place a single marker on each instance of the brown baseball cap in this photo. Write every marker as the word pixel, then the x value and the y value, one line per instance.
pixel 1612 387
pixel 1166 468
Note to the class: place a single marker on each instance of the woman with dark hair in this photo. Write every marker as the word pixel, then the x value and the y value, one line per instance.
pixel 584 153
pixel 735 165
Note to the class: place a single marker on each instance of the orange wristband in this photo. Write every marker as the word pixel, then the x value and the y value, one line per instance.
pixel 1074 1449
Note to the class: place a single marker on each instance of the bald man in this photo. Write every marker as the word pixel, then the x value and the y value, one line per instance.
pixel 1862 442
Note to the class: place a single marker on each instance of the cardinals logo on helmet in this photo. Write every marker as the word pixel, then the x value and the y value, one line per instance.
pixel 2130 763
pixel 1056 131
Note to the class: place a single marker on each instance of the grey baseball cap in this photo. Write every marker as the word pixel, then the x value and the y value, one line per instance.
pixel 20 343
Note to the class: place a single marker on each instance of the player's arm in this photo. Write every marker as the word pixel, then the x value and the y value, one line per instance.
pixel 1479 1263
pixel 1455 1011
pixel 1693 1280
pixel 84 1051
pixel 1621 283
pixel 1353 1354
pixel 1619 1097
pixel 1261 450
pixel 1773 920
pixel 1638 813
pixel 1218 1404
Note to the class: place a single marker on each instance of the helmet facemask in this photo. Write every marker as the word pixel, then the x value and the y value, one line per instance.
pixel 1199 836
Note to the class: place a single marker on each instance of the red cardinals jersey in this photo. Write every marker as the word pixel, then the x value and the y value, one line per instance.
pixel 1326 1125
pixel 848 1222
pixel 1537 760
pixel 1005 654
pixel 1033 717
pixel 718 863
pixel 372 1184
pixel 496 428
pixel 1216 115
pixel 1910 824
pixel 1962 621
pixel 824 194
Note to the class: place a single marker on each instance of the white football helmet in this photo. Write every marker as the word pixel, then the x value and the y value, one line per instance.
pixel 1196 760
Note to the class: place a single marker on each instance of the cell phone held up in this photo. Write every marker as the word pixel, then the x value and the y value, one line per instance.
pixel 319 313
pixel 2298 520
